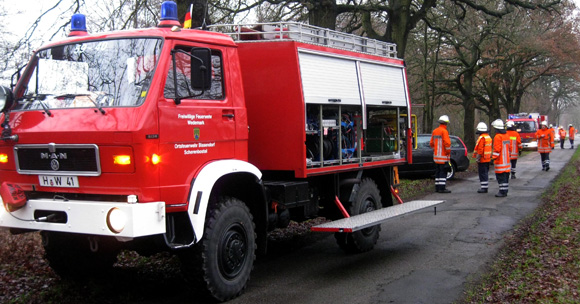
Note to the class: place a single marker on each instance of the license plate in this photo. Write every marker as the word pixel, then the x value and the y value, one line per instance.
pixel 58 181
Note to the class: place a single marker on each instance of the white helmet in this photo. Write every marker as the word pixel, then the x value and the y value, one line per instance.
pixel 544 123
pixel 569 125
pixel 509 124
pixel 443 119
pixel 551 125
pixel 498 124
pixel 482 127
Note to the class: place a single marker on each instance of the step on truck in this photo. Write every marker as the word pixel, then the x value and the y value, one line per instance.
pixel 200 142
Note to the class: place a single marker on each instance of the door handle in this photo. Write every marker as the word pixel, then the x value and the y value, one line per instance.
pixel 229 115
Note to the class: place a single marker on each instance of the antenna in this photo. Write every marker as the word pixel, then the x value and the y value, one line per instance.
pixel 204 24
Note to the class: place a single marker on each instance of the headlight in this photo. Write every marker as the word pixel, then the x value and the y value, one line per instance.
pixel 116 220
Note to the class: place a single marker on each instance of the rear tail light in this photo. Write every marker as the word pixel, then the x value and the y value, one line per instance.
pixel 464 146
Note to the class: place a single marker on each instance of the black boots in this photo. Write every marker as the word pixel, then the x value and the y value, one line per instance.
pixel 482 191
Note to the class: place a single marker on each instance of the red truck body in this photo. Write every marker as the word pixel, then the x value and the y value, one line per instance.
pixel 527 124
pixel 167 139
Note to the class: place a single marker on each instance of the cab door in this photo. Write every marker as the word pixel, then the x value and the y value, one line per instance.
pixel 197 129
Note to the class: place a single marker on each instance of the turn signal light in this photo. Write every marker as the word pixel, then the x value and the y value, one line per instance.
pixel 155 159
pixel 3 158
pixel 122 160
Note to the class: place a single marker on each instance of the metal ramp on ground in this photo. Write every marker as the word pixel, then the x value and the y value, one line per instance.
pixel 369 219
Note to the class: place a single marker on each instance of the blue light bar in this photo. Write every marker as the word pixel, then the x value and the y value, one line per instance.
pixel 169 11
pixel 78 23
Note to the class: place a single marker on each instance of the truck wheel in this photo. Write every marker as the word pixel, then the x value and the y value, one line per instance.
pixel 74 256
pixel 367 199
pixel 223 259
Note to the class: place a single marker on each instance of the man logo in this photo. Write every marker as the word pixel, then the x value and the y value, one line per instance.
pixel 54 165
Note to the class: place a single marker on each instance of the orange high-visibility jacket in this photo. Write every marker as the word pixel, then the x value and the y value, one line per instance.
pixel 441 144
pixel 516 142
pixel 545 140
pixel 501 153
pixel 571 133
pixel 483 148
pixel 562 133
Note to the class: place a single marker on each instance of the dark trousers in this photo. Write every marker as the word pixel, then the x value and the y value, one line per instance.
pixel 483 171
pixel 503 181
pixel 572 144
pixel 562 143
pixel 440 176
pixel 545 160
pixel 514 163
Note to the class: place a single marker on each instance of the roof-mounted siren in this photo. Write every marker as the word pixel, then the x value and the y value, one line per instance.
pixel 78 25
pixel 168 15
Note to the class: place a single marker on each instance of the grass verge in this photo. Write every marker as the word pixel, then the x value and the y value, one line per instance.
pixel 540 262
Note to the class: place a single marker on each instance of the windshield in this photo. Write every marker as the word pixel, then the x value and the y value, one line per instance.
pixel 525 126
pixel 107 73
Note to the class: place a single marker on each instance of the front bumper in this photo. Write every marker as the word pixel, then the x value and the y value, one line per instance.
pixel 87 217
pixel 530 145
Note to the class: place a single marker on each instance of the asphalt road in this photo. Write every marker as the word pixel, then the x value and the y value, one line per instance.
pixel 421 257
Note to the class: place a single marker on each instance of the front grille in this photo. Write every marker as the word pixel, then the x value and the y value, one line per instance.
pixel 56 159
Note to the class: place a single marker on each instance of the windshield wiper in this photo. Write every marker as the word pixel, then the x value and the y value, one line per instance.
pixel 97 105
pixel 40 98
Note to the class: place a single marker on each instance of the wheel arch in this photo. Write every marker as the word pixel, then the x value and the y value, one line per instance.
pixel 233 178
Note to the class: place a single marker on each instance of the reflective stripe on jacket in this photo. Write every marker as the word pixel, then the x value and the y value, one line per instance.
pixel 501 153
pixel 545 140
pixel 562 133
pixel 516 143
pixel 441 144
pixel 483 148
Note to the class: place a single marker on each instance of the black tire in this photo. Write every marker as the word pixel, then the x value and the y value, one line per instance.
pixel 451 173
pixel 224 258
pixel 71 256
pixel 367 199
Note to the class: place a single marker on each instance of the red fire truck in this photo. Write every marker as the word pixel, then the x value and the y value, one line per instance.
pixel 198 143
pixel 527 124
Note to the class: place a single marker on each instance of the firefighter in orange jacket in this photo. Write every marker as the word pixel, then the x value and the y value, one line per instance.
pixel 545 144
pixel 501 156
pixel 482 155
pixel 562 134
pixel 441 144
pixel 516 145
pixel 571 133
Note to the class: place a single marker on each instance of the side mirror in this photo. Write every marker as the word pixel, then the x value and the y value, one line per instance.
pixel 6 99
pixel 201 68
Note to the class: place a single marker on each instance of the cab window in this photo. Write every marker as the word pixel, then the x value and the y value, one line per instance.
pixel 183 70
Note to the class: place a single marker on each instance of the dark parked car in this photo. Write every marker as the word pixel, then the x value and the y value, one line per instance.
pixel 423 163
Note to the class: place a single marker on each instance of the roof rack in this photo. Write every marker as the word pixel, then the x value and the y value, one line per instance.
pixel 277 31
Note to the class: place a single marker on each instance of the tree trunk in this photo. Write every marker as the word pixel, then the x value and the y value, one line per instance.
pixel 323 13
pixel 398 25
pixel 469 108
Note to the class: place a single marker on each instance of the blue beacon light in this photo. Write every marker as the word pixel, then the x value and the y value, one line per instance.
pixel 168 15
pixel 78 25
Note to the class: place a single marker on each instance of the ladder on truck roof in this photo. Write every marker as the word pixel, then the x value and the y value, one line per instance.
pixel 366 220
pixel 277 31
